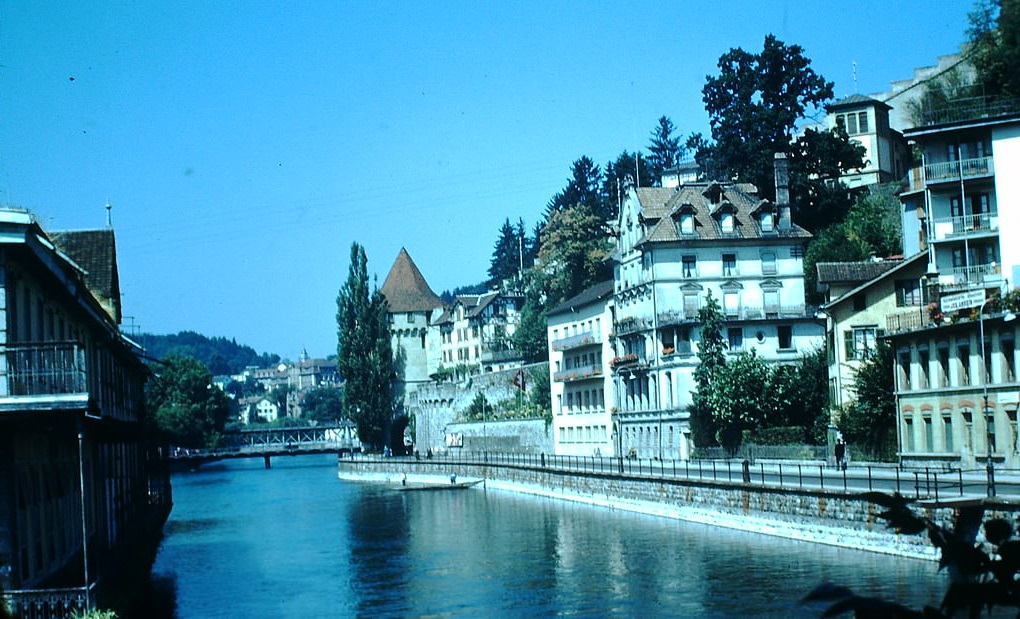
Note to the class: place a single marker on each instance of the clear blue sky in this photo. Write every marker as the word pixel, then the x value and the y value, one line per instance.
pixel 245 145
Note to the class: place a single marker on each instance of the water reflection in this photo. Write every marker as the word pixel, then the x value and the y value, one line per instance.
pixel 296 542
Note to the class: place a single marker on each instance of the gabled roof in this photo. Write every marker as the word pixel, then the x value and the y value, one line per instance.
pixel 660 208
pixel 405 287
pixel 598 292
pixel 95 251
pixel 894 268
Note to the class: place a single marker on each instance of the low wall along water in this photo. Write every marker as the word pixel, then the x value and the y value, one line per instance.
pixel 819 516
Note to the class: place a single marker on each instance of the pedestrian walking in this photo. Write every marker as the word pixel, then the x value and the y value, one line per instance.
pixel 840 454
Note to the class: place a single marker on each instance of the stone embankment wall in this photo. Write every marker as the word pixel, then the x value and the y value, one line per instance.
pixel 810 515
pixel 436 408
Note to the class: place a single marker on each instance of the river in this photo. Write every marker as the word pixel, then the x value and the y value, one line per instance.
pixel 295 541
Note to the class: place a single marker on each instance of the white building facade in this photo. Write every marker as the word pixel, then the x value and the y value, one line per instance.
pixel 676 246
pixel 580 381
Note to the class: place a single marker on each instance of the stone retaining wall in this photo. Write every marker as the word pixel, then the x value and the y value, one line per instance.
pixel 809 515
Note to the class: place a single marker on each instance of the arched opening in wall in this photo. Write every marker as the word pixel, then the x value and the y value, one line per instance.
pixel 401 442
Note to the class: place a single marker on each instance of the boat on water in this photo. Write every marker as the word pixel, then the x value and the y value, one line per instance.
pixel 407 486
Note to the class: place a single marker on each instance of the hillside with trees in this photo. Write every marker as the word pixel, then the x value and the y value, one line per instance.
pixel 220 355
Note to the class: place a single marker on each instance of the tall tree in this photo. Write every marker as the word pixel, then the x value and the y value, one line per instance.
pixel 573 256
pixel 628 170
pixel 185 404
pixel 754 105
pixel 584 187
pixel 365 355
pixel 711 357
pixel 506 255
pixel 664 150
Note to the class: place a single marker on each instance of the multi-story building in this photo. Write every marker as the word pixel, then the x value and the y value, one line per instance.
pixel 580 381
pixel 866 121
pixel 956 193
pixel 676 246
pixel 83 484
pixel 862 301
pixel 956 385
pixel 476 331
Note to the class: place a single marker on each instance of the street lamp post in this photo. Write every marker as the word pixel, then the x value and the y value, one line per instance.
pixel 985 379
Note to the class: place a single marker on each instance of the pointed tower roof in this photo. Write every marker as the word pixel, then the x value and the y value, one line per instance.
pixel 405 287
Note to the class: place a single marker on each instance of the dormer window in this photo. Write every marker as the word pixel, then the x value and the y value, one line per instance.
pixel 727 222
pixel 686 223
pixel 768 222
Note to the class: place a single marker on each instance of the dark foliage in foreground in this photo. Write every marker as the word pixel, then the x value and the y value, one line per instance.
pixel 982 575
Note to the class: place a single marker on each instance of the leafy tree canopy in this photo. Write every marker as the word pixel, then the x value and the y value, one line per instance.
pixel 870 420
pixel 871 228
pixel 573 256
pixel 754 105
pixel 323 404
pixel 994 35
pixel 711 357
pixel 184 403
pixel 530 338
pixel 817 160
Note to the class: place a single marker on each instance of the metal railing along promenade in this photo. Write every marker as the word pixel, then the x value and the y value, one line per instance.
pixel 921 483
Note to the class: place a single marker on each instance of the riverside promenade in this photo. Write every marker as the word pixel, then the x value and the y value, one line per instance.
pixel 803 501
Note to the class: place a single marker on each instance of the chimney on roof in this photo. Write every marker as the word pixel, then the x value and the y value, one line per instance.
pixel 782 168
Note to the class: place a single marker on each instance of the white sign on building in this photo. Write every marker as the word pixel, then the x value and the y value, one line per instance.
pixel 962 300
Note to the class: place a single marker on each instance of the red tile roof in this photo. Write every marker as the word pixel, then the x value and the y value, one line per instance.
pixel 405 287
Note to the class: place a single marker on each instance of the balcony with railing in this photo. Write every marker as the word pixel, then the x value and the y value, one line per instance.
pixel 684 316
pixel 971 276
pixel 908 319
pixel 575 341
pixel 582 372
pixel 626 326
pixel 43 375
pixel 767 312
pixel 962 169
pixel 629 360
pixel 965 225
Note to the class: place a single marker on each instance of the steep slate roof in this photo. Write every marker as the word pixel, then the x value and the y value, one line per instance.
pixel 662 206
pixel 598 292
pixel 95 251
pixel 405 287
pixel 853 272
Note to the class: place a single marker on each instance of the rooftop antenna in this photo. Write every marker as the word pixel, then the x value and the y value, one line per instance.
pixel 855 79
pixel 109 214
